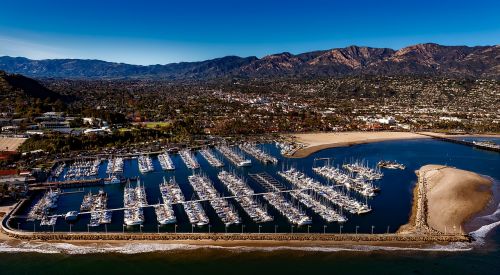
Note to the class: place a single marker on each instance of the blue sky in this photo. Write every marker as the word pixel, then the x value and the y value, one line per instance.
pixel 159 32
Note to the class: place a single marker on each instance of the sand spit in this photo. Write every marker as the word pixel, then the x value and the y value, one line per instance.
pixel 445 198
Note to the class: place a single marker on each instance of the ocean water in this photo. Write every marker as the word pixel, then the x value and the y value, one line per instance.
pixel 390 210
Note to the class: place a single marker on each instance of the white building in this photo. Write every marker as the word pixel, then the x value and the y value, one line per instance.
pixel 386 120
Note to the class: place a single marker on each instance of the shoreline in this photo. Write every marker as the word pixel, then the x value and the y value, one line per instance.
pixel 246 240
pixel 315 142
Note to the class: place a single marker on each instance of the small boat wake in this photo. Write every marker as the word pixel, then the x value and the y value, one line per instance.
pixel 490 221
pixel 480 234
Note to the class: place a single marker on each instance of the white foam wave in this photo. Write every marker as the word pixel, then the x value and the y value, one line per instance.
pixel 135 248
pixel 480 234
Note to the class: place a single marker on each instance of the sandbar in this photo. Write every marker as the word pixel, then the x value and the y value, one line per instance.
pixel 445 198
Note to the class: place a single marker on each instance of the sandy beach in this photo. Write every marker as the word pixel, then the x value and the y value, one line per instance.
pixel 314 142
pixel 318 141
pixel 445 198
pixel 11 143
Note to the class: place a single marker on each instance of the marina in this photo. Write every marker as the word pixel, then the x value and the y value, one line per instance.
pixel 145 164
pixel 189 159
pixel 164 214
pixel 196 214
pixel 301 199
pixel 96 204
pixel 58 170
pixel 288 148
pixel 358 184
pixel 82 169
pixel 363 170
pixel 115 166
pixel 205 191
pixel 337 197
pixel 171 194
pixel 244 195
pixel 211 158
pixel 257 153
pixel 42 208
pixel 133 201
pixel 235 157
pixel 293 213
pixel 249 137
pixel 166 162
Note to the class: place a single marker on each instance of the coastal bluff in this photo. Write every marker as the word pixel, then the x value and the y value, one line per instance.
pixel 445 198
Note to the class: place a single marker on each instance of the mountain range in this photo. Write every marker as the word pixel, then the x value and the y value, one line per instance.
pixel 421 59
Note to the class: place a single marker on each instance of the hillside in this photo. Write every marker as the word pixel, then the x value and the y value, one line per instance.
pixel 422 59
pixel 12 85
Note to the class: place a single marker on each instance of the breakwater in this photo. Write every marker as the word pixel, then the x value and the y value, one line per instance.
pixel 282 237
pixel 285 237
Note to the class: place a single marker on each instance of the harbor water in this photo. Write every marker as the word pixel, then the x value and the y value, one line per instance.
pixel 390 209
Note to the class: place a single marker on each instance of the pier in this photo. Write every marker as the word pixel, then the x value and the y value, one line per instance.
pixel 463 142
